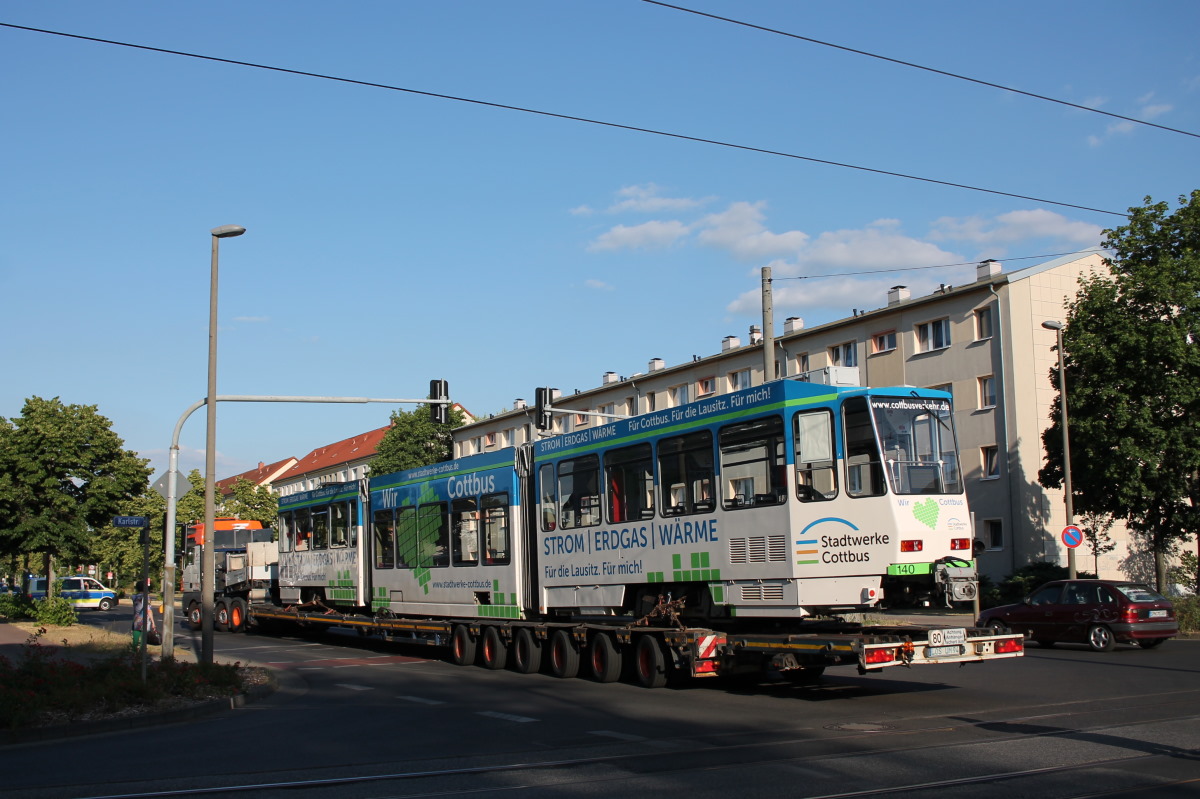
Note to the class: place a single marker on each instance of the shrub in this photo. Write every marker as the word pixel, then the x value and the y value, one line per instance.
pixel 55 611
pixel 16 607
pixel 1187 612
pixel 1019 584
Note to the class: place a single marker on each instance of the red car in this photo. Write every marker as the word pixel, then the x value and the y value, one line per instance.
pixel 1098 613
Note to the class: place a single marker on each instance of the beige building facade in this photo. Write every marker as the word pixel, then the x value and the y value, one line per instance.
pixel 984 342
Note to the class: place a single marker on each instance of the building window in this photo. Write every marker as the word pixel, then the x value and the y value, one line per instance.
pixel 987 391
pixel 651 402
pixel 631 406
pixel 990 461
pixel 802 363
pixel 581 420
pixel 706 386
pixel 609 411
pixel 844 354
pixel 947 387
pixel 883 342
pixel 491 439
pixel 506 438
pixel 739 380
pixel 983 323
pixel 993 533
pixel 678 395
pixel 933 335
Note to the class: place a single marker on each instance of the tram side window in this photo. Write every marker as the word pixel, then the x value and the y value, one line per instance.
pixel 339 514
pixel 385 539
pixel 287 532
pixel 433 535
pixel 406 537
pixel 864 469
pixel 685 472
pixel 816 477
pixel 579 488
pixel 546 497
pixel 495 528
pixel 629 472
pixel 465 524
pixel 320 520
pixel 304 530
pixel 753 464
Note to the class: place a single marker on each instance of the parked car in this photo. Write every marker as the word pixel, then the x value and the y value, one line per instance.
pixel 82 592
pixel 1098 613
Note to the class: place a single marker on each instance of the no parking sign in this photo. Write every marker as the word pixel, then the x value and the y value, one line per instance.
pixel 1072 536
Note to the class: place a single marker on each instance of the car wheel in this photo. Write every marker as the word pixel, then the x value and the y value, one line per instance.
pixel 1150 643
pixel 1100 638
pixel 106 604
pixel 997 627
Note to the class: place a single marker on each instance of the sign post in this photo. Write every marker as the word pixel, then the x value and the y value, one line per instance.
pixel 143 523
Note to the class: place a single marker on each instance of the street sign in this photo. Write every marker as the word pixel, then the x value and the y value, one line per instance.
pixel 131 521
pixel 1072 536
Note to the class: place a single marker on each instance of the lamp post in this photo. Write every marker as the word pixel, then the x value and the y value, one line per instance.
pixel 1057 327
pixel 208 560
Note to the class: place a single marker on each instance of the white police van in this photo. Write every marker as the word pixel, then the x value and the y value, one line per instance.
pixel 81 592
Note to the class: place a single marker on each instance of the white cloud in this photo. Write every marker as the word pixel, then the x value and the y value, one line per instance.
pixel 599 285
pixel 581 210
pixel 1016 226
pixel 646 198
pixel 1154 111
pixel 649 235
pixel 739 229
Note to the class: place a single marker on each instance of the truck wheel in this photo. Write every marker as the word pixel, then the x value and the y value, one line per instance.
pixel 605 659
pixel 495 649
pixel 237 615
pixel 462 646
pixel 650 663
pixel 564 655
pixel 527 652
pixel 221 616
pixel 195 616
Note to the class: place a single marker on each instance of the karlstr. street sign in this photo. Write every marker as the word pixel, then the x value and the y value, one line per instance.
pixel 131 521
pixel 1072 536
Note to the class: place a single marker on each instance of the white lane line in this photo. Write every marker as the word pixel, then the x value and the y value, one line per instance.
pixel 621 736
pixel 492 714
pixel 421 700
pixel 354 687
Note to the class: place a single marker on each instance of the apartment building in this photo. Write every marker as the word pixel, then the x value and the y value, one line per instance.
pixel 984 342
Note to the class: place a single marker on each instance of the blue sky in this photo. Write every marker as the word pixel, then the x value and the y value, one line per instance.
pixel 395 237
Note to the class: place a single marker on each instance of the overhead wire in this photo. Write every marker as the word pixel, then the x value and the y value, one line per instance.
pixel 934 70
pixel 937 266
pixel 568 117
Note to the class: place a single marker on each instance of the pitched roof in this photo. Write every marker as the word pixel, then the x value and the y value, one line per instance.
pixel 347 450
pixel 264 474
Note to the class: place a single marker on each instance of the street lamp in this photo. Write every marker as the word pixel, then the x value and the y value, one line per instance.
pixel 208 559
pixel 1057 327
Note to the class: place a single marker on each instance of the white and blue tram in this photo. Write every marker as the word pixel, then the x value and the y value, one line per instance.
pixel 780 501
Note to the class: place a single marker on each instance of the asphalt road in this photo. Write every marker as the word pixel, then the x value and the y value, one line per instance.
pixel 357 718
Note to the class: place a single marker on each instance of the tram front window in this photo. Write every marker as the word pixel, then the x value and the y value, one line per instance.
pixel 916 436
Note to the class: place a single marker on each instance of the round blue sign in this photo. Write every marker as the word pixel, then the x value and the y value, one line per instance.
pixel 1072 536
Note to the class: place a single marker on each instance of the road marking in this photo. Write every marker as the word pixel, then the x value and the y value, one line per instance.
pixel 354 687
pixel 621 736
pixel 421 700
pixel 344 662
pixel 504 716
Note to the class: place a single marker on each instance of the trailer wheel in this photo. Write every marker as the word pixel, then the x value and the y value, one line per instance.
pixel 195 616
pixel 462 646
pixel 495 649
pixel 650 663
pixel 527 652
pixel 605 659
pixel 221 616
pixel 564 655
pixel 237 615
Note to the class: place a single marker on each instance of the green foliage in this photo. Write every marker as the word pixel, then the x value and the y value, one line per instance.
pixel 1133 381
pixel 63 474
pixel 120 550
pixel 414 440
pixel 1185 573
pixel 40 684
pixel 54 611
pixel 1019 584
pixel 1187 613
pixel 16 607
pixel 252 502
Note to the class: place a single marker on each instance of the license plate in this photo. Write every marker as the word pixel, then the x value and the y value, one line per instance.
pixel 950 635
pixel 1158 614
pixel 943 651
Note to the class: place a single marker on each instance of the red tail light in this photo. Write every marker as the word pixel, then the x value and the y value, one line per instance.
pixel 880 655
pixel 960 543
pixel 912 546
pixel 1129 614
pixel 1010 645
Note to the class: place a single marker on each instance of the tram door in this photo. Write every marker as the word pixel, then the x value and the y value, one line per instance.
pixel 531 506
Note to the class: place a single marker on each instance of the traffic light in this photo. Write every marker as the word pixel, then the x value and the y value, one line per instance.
pixel 542 418
pixel 439 411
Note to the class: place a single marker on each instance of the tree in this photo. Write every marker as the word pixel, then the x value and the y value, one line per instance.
pixel 415 440
pixel 252 502
pixel 63 474
pixel 120 549
pixel 1132 358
